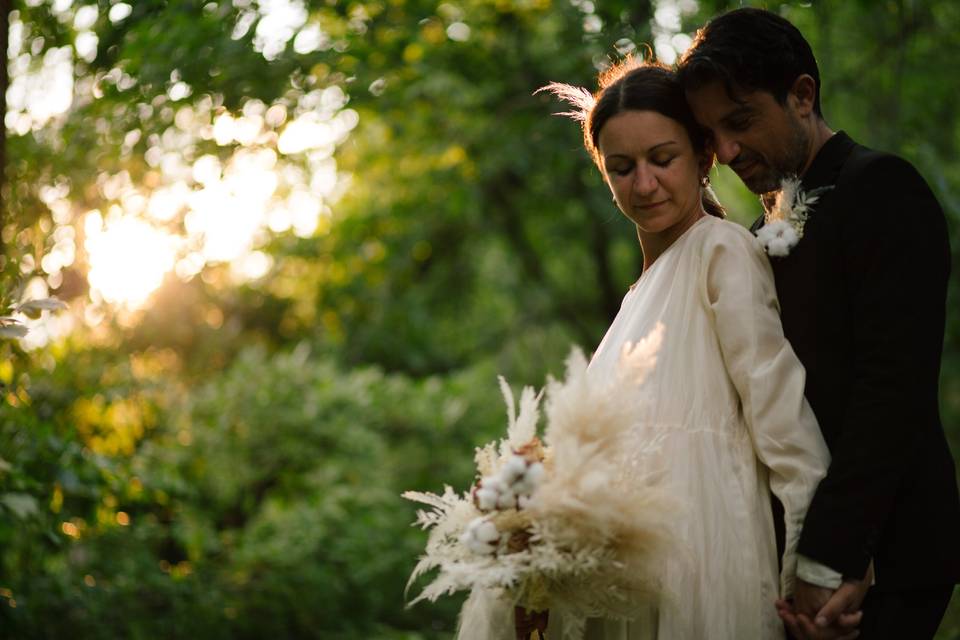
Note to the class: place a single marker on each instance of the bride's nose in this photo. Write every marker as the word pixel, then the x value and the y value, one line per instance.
pixel 644 182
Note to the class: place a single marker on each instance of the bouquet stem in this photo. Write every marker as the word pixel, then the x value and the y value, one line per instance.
pixel 531 625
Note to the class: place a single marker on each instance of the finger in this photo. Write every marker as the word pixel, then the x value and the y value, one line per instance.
pixel 838 603
pixel 849 621
pixel 808 629
pixel 783 605
pixel 787 616
pixel 790 620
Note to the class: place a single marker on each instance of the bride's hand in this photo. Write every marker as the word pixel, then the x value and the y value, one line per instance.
pixel 526 622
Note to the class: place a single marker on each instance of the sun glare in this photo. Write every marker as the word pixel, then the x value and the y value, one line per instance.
pixel 279 176
pixel 128 258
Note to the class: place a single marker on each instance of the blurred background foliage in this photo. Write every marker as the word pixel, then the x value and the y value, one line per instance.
pixel 298 240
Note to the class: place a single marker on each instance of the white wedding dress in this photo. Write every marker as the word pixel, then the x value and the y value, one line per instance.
pixel 726 410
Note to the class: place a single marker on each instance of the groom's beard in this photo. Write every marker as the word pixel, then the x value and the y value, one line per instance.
pixel 763 175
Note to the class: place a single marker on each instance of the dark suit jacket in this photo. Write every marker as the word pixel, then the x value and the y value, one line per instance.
pixel 863 301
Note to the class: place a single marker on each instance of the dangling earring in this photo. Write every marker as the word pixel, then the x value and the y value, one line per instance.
pixel 705 181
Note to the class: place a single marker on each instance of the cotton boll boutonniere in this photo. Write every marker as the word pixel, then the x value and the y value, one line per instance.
pixel 783 222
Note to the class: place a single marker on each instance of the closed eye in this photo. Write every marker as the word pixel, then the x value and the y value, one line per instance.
pixel 620 170
pixel 740 124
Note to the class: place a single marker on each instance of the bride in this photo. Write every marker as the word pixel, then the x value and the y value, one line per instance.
pixel 726 403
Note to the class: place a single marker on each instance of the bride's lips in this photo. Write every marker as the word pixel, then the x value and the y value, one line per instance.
pixel 647 207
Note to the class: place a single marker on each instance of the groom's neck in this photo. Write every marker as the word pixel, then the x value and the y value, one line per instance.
pixel 819 135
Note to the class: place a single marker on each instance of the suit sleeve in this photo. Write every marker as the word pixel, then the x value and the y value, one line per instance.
pixel 896 263
pixel 767 375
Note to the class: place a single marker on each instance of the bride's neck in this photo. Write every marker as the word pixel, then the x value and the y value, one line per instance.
pixel 654 244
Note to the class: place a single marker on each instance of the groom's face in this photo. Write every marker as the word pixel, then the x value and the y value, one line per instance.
pixel 760 139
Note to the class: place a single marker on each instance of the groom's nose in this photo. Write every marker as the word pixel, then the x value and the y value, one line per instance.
pixel 726 149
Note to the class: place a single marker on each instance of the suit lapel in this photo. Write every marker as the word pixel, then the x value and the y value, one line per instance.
pixel 830 159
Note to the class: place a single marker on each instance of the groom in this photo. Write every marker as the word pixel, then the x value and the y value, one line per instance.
pixel 863 304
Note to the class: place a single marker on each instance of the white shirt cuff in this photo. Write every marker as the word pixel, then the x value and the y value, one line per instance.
pixel 812 572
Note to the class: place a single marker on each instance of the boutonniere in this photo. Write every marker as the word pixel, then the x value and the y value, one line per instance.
pixel 783 222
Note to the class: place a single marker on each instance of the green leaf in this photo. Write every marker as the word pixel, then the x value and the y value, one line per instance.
pixel 23 505
pixel 12 331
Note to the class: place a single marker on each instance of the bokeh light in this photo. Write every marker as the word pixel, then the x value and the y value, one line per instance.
pixel 128 258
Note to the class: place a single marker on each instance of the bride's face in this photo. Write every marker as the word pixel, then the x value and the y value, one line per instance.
pixel 652 169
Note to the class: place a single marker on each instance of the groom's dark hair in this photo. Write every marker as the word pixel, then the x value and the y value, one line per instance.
pixel 749 50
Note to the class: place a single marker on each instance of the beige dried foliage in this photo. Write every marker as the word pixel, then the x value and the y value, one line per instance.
pixel 591 540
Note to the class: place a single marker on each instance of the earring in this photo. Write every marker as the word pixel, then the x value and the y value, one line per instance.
pixel 705 181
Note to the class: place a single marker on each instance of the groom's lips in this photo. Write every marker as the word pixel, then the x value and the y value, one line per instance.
pixel 744 169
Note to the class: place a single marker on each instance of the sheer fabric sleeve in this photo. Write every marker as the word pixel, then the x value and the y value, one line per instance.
pixel 740 294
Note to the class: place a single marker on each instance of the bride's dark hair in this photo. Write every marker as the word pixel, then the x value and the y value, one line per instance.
pixel 633 85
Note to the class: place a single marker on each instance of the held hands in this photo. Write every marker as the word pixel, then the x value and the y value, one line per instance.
pixel 820 613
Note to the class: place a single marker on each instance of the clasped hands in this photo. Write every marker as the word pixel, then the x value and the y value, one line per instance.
pixel 820 613
pixel 814 613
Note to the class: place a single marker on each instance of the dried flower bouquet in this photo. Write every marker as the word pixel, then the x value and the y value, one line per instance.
pixel 566 523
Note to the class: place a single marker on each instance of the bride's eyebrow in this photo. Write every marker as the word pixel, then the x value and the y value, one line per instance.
pixel 661 144
pixel 614 156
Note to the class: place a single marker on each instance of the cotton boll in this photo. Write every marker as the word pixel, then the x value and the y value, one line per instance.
pixel 513 469
pixel 778 247
pixel 507 500
pixel 486 531
pixel 522 487
pixel 486 499
pixel 524 501
pixel 778 237
pixel 534 475
pixel 481 536
pixel 479 547
pixel 469 540
pixel 528 483
pixel 485 549
pixel 492 483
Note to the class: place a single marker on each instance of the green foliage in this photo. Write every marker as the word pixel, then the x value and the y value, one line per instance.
pixel 267 503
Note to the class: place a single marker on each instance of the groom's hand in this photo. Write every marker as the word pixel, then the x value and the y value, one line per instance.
pixel 802 627
pixel 818 612
pixel 809 599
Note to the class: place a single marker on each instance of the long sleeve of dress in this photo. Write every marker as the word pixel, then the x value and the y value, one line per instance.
pixel 739 289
